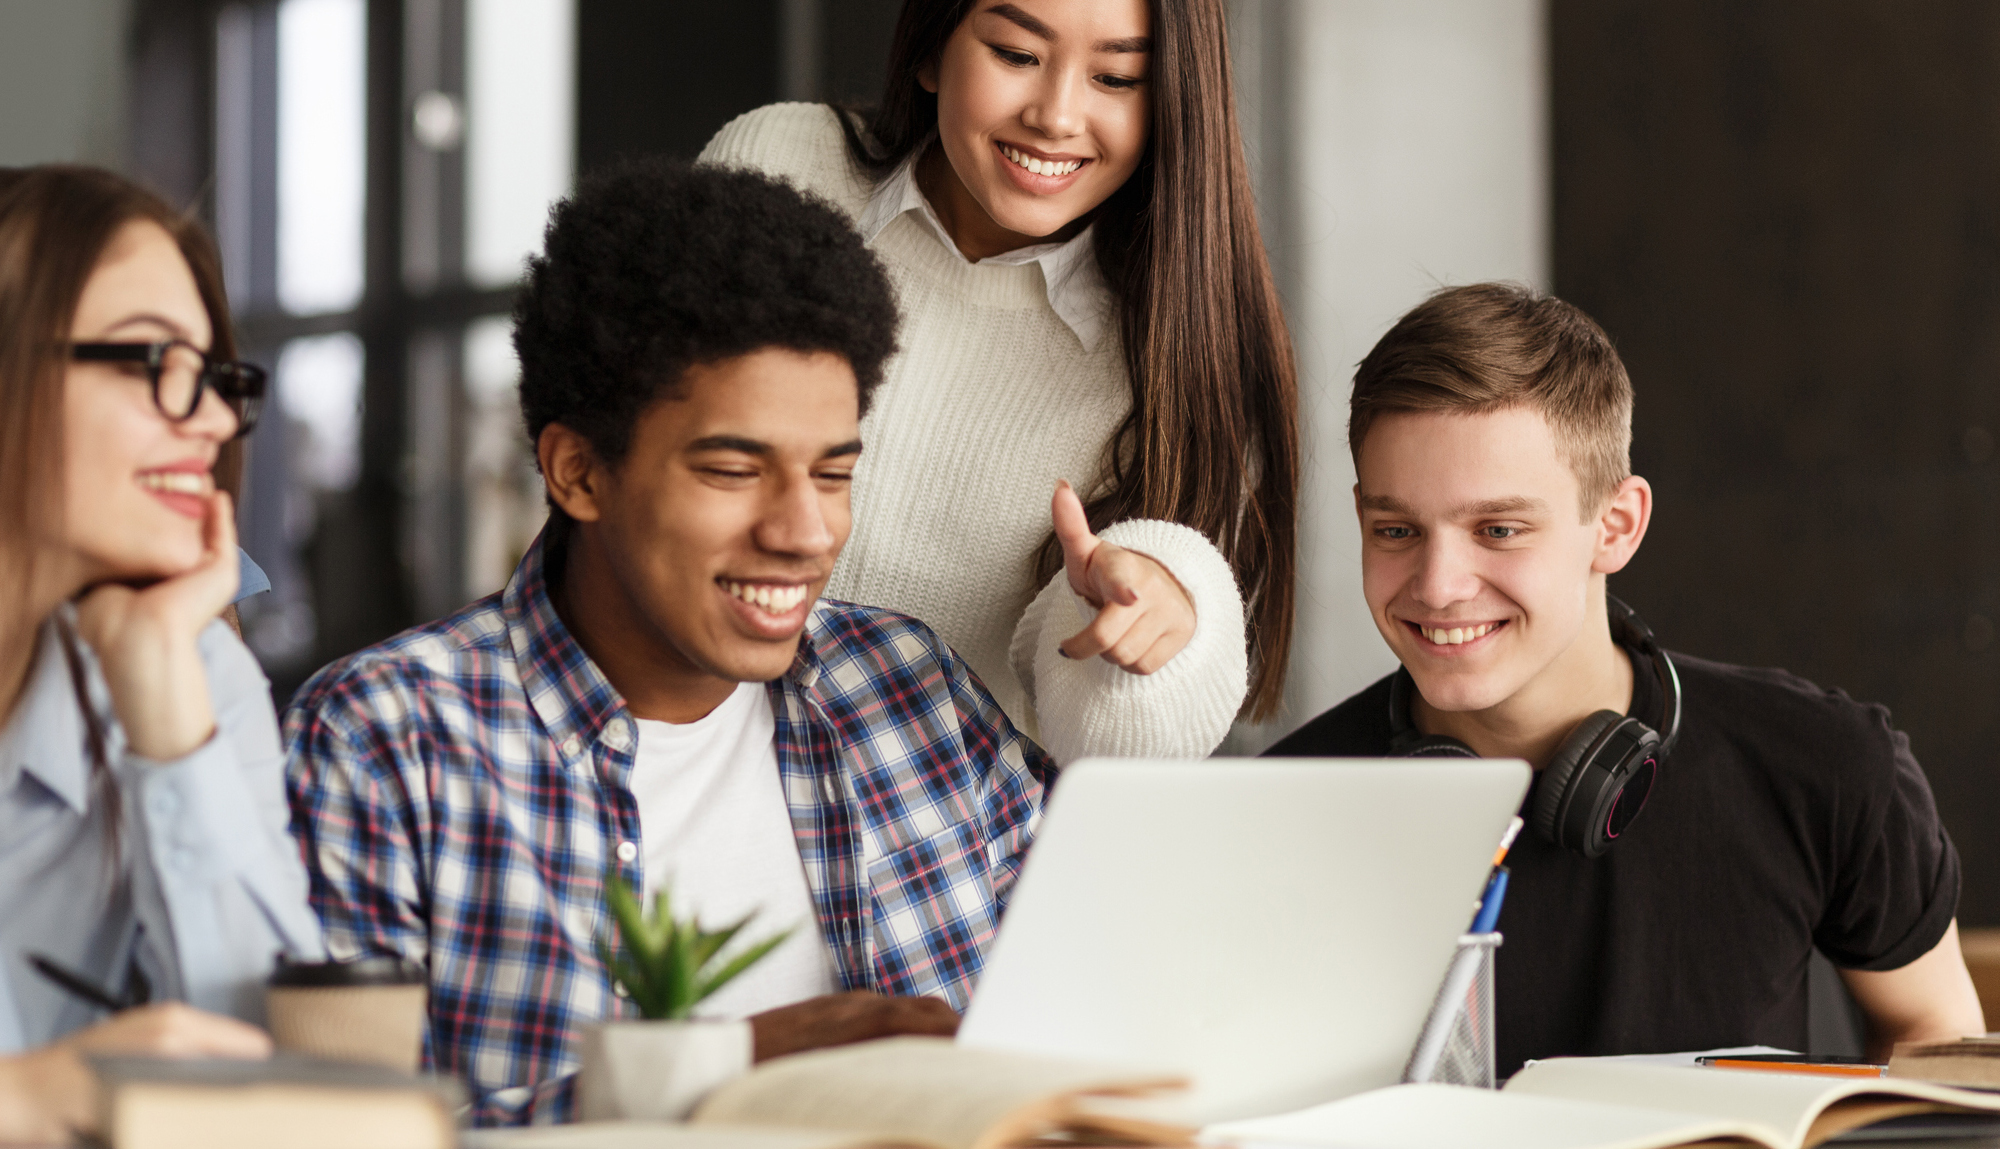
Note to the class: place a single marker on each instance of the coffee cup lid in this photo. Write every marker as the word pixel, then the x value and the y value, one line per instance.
pixel 375 969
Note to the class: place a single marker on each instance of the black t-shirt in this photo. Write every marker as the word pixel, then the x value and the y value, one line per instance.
pixel 1787 817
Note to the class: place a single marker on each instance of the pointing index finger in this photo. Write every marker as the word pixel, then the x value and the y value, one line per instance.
pixel 1103 633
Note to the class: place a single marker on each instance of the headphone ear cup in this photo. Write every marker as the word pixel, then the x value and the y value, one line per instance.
pixel 1552 789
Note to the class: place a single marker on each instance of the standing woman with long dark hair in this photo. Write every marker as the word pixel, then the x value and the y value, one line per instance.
pixel 143 823
pixel 1059 192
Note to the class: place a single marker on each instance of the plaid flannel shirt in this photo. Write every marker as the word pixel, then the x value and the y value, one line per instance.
pixel 460 790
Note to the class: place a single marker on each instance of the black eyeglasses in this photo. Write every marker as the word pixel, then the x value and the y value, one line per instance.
pixel 181 373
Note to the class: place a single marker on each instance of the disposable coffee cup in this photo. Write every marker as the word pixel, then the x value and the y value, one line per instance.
pixel 369 1010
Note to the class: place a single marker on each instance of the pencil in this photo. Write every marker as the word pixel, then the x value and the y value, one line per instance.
pixel 1828 1069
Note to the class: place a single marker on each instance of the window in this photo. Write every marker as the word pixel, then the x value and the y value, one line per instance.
pixel 376 172
pixel 371 261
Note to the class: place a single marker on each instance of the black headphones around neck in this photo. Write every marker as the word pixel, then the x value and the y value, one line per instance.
pixel 1601 774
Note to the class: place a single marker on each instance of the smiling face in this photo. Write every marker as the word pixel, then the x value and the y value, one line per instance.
pixel 1475 565
pixel 137 485
pixel 1043 112
pixel 722 522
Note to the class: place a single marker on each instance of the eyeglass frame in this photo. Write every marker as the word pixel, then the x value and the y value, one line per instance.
pixel 238 384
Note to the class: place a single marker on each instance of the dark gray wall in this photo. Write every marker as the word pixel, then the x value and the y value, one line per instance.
pixel 658 78
pixel 1787 212
pixel 854 48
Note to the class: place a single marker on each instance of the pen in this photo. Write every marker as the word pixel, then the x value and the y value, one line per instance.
pixel 1489 905
pixel 1486 912
pixel 76 983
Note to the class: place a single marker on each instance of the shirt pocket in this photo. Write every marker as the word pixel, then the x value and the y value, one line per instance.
pixel 934 914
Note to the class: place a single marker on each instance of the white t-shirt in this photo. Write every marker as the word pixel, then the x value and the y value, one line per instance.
pixel 713 822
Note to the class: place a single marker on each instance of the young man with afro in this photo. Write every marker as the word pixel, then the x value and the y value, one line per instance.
pixel 659 695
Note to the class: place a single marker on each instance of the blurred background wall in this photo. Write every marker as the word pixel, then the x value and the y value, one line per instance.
pixel 1413 155
pixel 1783 210
pixel 63 81
pixel 1789 217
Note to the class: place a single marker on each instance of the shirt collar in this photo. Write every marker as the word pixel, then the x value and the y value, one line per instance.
pixel 1077 291
pixel 45 736
pixel 566 689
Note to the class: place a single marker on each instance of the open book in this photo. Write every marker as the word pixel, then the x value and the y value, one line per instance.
pixel 1584 1103
pixel 904 1091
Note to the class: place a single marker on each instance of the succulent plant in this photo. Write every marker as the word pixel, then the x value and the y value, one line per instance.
pixel 667 965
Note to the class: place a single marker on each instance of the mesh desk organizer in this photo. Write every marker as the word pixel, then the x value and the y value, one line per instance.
pixel 1456 1045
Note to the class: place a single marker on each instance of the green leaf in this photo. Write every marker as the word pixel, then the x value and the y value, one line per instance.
pixel 637 989
pixel 663 961
pixel 738 964
pixel 673 973
pixel 661 924
pixel 708 945
pixel 631 921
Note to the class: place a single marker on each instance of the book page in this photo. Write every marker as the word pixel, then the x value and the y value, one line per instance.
pixel 1437 1116
pixel 929 1090
pixel 1858 1112
pixel 660 1135
pixel 1788 1105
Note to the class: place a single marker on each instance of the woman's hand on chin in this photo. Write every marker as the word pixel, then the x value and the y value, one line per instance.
pixel 145 640
pixel 1144 615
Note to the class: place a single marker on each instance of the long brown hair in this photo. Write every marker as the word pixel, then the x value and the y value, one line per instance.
pixel 55 222
pixel 1212 438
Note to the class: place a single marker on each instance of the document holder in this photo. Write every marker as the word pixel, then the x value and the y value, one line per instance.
pixel 1456 1045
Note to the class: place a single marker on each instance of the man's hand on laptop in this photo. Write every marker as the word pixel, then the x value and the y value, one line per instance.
pixel 841 1018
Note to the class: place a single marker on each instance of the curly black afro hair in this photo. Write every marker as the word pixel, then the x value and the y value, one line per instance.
pixel 654 266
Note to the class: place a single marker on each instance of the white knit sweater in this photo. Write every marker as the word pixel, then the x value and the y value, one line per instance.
pixel 992 399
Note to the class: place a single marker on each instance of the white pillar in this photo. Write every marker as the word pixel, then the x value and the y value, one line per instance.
pixel 1417 158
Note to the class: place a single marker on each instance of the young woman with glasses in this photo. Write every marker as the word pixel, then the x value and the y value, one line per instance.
pixel 144 857
pixel 1058 190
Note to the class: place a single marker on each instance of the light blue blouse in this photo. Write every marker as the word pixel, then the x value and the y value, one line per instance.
pixel 250 578
pixel 199 888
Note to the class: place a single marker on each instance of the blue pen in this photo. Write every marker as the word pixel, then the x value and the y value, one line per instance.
pixel 1490 902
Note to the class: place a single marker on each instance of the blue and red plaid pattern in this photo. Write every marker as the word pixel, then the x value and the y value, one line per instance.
pixel 459 804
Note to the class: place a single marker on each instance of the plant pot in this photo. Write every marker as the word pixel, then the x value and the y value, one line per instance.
pixel 656 1070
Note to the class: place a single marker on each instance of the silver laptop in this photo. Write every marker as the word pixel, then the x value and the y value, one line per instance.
pixel 1274 928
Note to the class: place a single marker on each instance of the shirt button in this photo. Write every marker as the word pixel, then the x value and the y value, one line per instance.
pixel 618 987
pixel 627 851
pixel 162 804
pixel 571 745
pixel 616 737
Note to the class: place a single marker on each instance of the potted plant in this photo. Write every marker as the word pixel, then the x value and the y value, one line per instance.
pixel 657 1068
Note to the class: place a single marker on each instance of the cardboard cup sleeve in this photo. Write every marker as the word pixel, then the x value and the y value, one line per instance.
pixel 371 1010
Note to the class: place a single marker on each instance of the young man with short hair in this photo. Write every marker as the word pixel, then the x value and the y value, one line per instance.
pixel 659 694
pixel 1491 430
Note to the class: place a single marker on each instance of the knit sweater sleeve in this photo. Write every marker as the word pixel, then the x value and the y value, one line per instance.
pixel 1091 708
pixel 799 143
